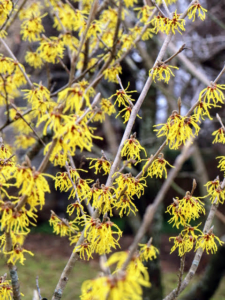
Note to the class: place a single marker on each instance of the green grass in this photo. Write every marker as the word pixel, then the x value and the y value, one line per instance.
pixel 49 269
pixel 170 282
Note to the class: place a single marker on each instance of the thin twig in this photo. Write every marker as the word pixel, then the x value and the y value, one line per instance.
pixel 76 55
pixel 63 65
pixel 88 205
pixel 34 131
pixel 166 9
pixel 94 103
pixel 181 273
pixel 12 269
pixel 12 121
pixel 182 48
pixel 16 61
pixel 38 289
pixel 74 186
pixel 220 120
pixel 159 9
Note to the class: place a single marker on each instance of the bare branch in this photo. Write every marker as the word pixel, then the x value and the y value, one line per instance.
pixel 19 65
pixel 38 289
pixel 22 117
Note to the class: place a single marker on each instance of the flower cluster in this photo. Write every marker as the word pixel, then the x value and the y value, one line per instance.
pixel 61 226
pixel 167 25
pixel 184 210
pixel 100 164
pixel 121 284
pixel 215 191
pixel 132 148
pixel 196 7
pixel 162 72
pixel 178 129
pixel 157 166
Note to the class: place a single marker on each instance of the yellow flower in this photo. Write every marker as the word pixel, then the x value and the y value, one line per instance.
pixel 74 98
pixel 39 93
pixel 133 186
pixel 162 72
pixel 188 229
pixel 186 240
pixel 213 92
pixel 207 242
pixel 100 164
pixel 125 205
pixel 101 236
pixel 6 290
pixel 168 25
pixel 184 244
pixel 16 238
pixel 111 72
pixel 75 206
pixel 122 96
pixel 175 24
pixel 26 13
pixel 144 12
pixel 17 221
pixel 194 8
pixel 126 116
pixel 148 34
pixel 147 252
pixel 103 199
pixel 122 285
pixel 157 167
pixel 5 9
pixel 83 190
pixel 212 185
pixel 85 250
pixel 61 226
pixel 18 254
pixel 221 163
pixel 184 210
pixel 219 136
pixel 74 238
pixel 215 191
pixel 24 178
pixel 131 149
pixel 32 27
pixel 34 59
pixel 59 153
pixel 76 134
pixel 54 120
pixel 159 23
pixel 202 109
pixel 178 130
pixel 168 2
pixel 72 43
pixel 107 106
pixel 62 179
pixel 129 3
pixel 178 218
pixel 51 49
pixel 70 19
pixel 135 268
pixel 94 30
pixel 23 141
